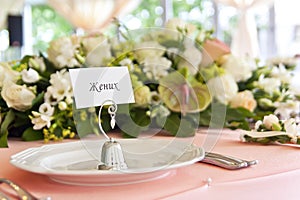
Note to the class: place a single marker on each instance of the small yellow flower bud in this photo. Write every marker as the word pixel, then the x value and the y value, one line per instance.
pixel 72 135
pixel 66 132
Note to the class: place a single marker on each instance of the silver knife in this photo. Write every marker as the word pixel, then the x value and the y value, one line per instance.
pixel 227 162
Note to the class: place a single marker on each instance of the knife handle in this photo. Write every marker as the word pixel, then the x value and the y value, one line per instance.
pixel 227 162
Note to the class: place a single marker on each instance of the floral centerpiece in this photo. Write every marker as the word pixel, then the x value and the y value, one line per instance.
pixel 179 75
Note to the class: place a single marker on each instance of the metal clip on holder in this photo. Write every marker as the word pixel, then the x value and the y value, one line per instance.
pixel 112 157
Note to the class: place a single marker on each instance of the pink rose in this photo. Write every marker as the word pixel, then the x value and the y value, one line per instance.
pixel 212 50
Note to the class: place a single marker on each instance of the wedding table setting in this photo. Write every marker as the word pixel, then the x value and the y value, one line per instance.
pixel 275 176
pixel 156 113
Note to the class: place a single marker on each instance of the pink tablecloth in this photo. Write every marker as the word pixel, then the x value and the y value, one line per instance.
pixel 277 176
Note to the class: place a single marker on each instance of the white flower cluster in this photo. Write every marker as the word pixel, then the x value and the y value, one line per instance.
pixel 180 69
pixel 58 93
pixel 272 123
pixel 66 52
pixel 275 84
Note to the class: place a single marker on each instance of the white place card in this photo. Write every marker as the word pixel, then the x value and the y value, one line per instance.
pixel 93 86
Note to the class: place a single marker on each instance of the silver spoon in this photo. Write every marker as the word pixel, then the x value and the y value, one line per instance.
pixel 22 193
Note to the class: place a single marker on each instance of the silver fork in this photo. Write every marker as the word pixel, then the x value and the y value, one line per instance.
pixel 22 193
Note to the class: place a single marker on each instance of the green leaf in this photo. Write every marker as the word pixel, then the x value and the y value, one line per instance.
pixel 186 128
pixel 39 99
pixel 8 119
pixel 214 116
pixel 238 114
pixel 179 127
pixel 30 134
pixel 3 141
pixel 172 124
pixel 269 140
pixel 171 43
pixel 21 119
pixel 237 118
pixel 243 124
pixel 205 118
pixel 84 127
pixel 2 103
pixel 257 73
pixel 133 125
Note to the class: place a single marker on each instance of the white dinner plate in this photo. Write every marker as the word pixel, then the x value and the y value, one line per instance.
pixel 76 162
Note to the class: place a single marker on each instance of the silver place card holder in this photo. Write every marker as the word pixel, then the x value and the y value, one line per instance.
pixel 112 157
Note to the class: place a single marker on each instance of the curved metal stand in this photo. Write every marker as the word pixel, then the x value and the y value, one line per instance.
pixel 112 109
pixel 112 157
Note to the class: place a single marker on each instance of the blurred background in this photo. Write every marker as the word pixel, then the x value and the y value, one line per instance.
pixel 259 28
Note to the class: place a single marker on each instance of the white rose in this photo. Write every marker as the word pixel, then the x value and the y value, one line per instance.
pixel 245 100
pixel 17 96
pixel 148 49
pixel 156 67
pixel 192 58
pixel 61 52
pixel 223 88
pixel 40 120
pixel 6 73
pixel 239 68
pixel 92 42
pixel 271 122
pixel 30 75
pixel 98 54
